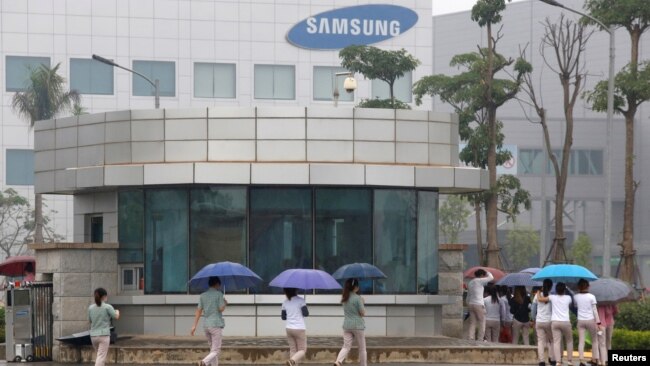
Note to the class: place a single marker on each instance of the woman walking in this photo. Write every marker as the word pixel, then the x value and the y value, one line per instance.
pixel 100 315
pixel 211 306
pixel 353 323
pixel 588 320
pixel 560 321
pixel 542 317
pixel 495 314
pixel 294 311
pixel 504 294
pixel 519 305
pixel 606 314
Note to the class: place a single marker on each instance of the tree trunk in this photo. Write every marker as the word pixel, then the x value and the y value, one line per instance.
pixel 627 271
pixel 392 94
pixel 479 233
pixel 38 218
pixel 493 258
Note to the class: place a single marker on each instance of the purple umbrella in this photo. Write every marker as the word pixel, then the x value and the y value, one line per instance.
pixel 518 279
pixel 305 279
pixel 531 270
pixel 233 276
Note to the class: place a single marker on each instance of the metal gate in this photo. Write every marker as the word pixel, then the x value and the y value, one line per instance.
pixel 43 337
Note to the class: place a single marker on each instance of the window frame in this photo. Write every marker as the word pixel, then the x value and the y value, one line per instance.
pixel 28 182
pixel 92 62
pixel 331 95
pixel 212 62
pixel 7 57
pixel 293 98
pixel 135 77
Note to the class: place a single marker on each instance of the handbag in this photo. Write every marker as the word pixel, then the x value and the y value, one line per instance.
pixel 505 335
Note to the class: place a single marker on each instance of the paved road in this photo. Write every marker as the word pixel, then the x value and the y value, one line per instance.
pixel 2 363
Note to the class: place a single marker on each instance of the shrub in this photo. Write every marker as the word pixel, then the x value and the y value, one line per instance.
pixel 631 339
pixel 382 103
pixel 634 316
pixel 2 325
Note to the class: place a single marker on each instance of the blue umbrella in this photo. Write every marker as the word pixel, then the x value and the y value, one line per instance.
pixel 564 273
pixel 362 271
pixel 531 270
pixel 305 279
pixel 518 279
pixel 233 276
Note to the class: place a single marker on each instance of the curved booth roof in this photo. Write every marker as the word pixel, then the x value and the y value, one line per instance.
pixel 259 145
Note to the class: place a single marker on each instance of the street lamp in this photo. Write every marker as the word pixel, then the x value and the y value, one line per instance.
pixel 349 84
pixel 154 83
pixel 610 116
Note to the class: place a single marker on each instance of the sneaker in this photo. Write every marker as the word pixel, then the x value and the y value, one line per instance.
pixel 582 364
pixel 200 363
pixel 291 362
pixel 542 363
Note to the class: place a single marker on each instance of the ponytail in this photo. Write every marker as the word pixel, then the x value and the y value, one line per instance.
pixel 350 284
pixel 99 294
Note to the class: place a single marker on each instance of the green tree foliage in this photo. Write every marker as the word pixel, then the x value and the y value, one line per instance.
pixel 44 98
pixel 453 215
pixel 17 223
pixel 476 94
pixel 634 315
pixel 581 251
pixel 383 103
pixel 632 88
pixel 375 63
pixel 522 245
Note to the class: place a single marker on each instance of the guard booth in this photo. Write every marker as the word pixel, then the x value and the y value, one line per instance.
pixel 28 317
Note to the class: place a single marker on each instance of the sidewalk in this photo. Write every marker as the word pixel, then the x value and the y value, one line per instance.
pixel 159 350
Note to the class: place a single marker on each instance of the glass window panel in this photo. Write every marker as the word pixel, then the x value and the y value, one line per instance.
pixel 130 226
pixel 166 241
pixel 18 69
pixel 88 76
pixel 213 80
pixel 395 246
pixel 596 162
pixel 324 78
pixel 531 161
pixel 343 229
pixel 218 226
pixel 427 242
pixel 164 71
pixel 20 167
pixel 402 88
pixel 275 82
pixel 281 231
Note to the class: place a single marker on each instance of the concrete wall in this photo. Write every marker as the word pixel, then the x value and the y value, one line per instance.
pixel 338 146
pixel 75 270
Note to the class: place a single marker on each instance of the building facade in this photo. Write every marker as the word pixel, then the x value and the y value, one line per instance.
pixel 584 201
pixel 247 160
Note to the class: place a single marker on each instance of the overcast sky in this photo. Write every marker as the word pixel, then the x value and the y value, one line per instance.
pixel 452 6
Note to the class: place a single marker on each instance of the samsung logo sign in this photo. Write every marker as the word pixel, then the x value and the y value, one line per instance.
pixel 355 25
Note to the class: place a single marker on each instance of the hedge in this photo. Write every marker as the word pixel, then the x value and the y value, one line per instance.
pixel 631 339
pixel 634 316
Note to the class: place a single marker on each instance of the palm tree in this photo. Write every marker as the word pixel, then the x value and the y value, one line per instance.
pixel 44 98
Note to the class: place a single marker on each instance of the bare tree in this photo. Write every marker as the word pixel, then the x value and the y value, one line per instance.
pixel 562 48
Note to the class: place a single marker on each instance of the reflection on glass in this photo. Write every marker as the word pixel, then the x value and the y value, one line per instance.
pixel 343 229
pixel 395 232
pixel 427 242
pixel 166 235
pixel 218 226
pixel 130 221
pixel 281 231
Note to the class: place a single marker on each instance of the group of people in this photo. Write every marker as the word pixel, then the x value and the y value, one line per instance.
pixel 211 307
pixel 500 314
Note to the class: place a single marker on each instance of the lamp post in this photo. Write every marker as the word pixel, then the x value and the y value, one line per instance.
pixel 608 142
pixel 154 83
pixel 350 84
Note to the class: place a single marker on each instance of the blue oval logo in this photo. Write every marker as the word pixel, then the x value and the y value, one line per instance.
pixel 354 25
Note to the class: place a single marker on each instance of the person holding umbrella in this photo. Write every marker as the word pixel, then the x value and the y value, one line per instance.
pixel 211 306
pixel 588 320
pixel 100 315
pixel 475 290
pixel 353 323
pixel 294 311
pixel 560 321
pixel 541 312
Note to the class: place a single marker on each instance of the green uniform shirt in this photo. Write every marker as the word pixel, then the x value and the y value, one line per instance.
pixel 351 310
pixel 100 319
pixel 210 302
